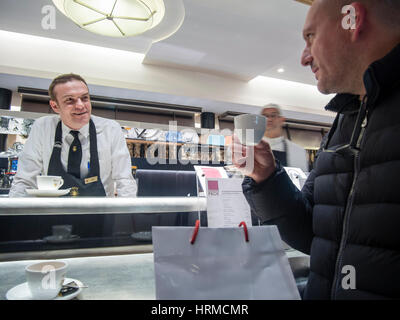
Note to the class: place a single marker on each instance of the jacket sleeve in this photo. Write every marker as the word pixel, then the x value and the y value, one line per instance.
pixel 277 201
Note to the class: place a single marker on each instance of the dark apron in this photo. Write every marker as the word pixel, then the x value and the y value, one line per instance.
pixel 89 186
pixel 281 155
pixel 84 225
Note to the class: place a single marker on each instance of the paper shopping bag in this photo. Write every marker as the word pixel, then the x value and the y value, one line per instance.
pixel 220 264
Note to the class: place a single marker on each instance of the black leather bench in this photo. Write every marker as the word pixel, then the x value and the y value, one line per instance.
pixel 165 183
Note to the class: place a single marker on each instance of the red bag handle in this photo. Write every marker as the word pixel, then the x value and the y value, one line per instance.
pixel 246 232
pixel 195 232
pixel 197 226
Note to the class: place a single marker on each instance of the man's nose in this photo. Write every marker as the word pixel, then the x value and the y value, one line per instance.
pixel 79 103
pixel 306 57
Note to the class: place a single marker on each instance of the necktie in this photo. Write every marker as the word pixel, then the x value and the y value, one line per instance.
pixel 75 156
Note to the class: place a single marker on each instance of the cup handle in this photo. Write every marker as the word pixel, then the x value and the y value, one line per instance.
pixel 61 183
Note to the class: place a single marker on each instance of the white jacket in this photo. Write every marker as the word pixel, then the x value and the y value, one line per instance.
pixel 296 155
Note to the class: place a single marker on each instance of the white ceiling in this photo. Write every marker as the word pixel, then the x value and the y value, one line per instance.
pixel 234 39
pixel 239 38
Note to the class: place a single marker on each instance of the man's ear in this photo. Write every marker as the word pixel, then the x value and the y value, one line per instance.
pixel 54 106
pixel 360 12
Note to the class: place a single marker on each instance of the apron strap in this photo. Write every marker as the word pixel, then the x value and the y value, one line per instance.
pixel 55 166
pixel 94 157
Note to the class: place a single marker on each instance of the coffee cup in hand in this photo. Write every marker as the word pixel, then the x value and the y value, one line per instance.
pixel 250 128
pixel 49 182
pixel 45 279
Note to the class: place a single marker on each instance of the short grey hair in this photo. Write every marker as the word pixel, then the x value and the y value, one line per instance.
pixel 273 106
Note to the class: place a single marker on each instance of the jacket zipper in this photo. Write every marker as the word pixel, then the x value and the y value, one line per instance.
pixel 349 206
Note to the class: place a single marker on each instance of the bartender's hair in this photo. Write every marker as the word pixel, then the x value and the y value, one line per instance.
pixel 64 78
pixel 272 106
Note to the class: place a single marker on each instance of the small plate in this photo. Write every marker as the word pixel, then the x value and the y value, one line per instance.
pixel 55 239
pixel 22 292
pixel 48 193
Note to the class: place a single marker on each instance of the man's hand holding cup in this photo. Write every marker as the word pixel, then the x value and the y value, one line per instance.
pixel 252 155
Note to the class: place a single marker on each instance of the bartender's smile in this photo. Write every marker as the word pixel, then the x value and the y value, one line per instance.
pixel 80 113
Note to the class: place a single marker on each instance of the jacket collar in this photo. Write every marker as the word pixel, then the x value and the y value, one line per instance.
pixel 344 102
pixel 380 77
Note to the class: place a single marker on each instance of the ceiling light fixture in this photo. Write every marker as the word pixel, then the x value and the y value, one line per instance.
pixel 309 2
pixel 114 18
pixel 281 70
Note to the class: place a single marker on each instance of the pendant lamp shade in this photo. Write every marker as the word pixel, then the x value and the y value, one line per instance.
pixel 114 18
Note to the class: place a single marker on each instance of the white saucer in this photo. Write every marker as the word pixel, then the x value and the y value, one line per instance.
pixel 22 292
pixel 48 193
pixel 55 239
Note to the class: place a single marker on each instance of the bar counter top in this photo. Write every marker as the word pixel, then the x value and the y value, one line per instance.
pixel 99 205
pixel 116 277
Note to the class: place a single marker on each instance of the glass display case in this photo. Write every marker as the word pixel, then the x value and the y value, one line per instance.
pixel 29 225
pixel 116 265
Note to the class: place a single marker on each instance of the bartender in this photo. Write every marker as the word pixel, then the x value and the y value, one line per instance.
pixel 88 152
pixel 288 153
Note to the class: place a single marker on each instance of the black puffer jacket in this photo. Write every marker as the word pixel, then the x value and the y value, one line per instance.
pixel 348 212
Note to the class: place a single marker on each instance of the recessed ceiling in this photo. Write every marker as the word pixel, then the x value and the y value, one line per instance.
pixel 233 38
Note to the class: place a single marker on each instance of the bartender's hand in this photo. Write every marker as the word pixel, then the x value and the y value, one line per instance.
pixel 257 162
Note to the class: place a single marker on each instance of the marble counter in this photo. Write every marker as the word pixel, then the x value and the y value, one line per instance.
pixel 120 277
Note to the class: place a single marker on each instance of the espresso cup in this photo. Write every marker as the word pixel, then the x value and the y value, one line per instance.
pixel 49 182
pixel 62 231
pixel 45 279
pixel 250 128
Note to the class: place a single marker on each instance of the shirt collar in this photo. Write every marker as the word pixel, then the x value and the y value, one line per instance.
pixel 84 131
pixel 273 141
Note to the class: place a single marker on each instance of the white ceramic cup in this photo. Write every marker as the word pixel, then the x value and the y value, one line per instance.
pixel 250 128
pixel 49 182
pixel 45 279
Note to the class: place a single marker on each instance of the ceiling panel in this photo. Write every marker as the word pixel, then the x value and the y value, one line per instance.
pixel 237 38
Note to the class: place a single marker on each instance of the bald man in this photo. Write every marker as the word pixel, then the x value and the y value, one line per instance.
pixel 347 214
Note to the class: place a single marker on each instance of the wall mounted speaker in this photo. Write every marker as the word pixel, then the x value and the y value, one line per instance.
pixel 208 120
pixel 5 98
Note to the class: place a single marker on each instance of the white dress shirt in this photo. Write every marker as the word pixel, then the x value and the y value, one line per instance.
pixel 296 155
pixel 114 157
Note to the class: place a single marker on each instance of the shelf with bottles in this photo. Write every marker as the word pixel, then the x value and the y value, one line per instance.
pixel 177 150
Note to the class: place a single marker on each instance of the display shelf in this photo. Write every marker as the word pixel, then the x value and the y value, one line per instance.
pixel 204 152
